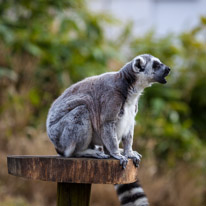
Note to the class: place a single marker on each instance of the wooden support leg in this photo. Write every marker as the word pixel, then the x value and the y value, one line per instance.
pixel 72 194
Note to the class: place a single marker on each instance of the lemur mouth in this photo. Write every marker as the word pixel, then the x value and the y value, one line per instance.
pixel 161 78
pixel 167 71
pixel 163 81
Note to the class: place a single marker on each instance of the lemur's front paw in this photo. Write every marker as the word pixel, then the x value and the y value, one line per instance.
pixel 123 159
pixel 136 157
pixel 138 154
pixel 123 162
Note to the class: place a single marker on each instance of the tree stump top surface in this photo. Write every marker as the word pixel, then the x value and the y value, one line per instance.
pixel 71 170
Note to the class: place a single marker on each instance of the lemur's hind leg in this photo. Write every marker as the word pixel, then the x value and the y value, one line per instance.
pixel 96 152
pixel 73 132
pixel 92 153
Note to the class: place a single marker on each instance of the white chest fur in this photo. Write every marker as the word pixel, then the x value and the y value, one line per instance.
pixel 127 121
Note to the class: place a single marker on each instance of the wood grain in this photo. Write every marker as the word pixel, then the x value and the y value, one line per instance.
pixel 71 170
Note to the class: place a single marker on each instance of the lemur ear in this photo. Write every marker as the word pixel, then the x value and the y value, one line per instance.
pixel 138 64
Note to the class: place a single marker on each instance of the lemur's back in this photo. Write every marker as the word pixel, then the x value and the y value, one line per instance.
pixel 92 92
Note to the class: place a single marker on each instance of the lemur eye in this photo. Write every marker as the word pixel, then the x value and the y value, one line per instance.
pixel 155 65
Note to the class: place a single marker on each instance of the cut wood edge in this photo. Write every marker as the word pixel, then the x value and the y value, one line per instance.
pixel 71 170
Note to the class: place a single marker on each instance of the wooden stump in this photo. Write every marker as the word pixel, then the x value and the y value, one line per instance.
pixel 74 176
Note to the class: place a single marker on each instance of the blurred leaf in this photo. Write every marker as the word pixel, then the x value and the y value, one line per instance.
pixel 51 44
pixel 34 97
pixel 203 20
pixel 33 49
pixel 8 73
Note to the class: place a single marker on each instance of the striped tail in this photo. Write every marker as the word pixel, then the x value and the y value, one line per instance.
pixel 131 194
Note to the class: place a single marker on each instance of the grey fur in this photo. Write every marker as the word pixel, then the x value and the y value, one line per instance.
pixel 100 110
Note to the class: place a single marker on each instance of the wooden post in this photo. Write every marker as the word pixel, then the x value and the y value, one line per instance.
pixel 74 176
pixel 72 194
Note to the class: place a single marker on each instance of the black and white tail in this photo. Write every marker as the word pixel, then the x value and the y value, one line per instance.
pixel 131 194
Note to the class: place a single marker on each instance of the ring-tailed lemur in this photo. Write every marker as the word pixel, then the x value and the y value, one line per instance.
pixel 100 110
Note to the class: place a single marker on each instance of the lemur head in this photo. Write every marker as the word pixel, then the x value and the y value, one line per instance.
pixel 150 69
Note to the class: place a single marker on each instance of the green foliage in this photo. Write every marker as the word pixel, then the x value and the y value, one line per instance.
pixel 47 45
pixel 56 43
pixel 174 115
